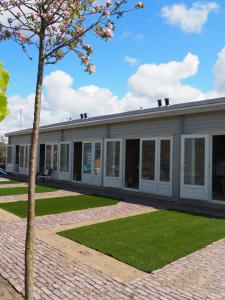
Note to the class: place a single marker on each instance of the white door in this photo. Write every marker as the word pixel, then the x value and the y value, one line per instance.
pixel 113 163
pixel 92 162
pixel 97 163
pixel 164 186
pixel 195 167
pixel 156 166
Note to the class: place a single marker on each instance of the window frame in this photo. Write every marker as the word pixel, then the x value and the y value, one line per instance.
pixel 119 178
pixel 9 164
pixel 52 145
pixel 59 162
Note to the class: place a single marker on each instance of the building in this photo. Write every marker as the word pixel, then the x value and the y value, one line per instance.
pixel 176 151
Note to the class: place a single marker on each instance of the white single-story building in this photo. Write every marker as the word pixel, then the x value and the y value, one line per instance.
pixel 177 151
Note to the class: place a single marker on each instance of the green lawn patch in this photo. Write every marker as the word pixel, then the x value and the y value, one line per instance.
pixel 24 190
pixel 150 241
pixel 9 182
pixel 57 205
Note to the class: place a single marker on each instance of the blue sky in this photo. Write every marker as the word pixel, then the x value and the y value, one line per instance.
pixel 146 37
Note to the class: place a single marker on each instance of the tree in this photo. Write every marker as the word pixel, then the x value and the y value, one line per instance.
pixel 4 79
pixel 54 28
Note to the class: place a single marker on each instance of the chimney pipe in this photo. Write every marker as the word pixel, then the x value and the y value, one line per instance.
pixel 167 101
pixel 159 103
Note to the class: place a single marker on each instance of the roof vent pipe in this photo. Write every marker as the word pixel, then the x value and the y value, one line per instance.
pixel 167 101
pixel 159 103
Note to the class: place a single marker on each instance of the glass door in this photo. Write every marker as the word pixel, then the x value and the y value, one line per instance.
pixel 194 167
pixel 92 162
pixel 97 163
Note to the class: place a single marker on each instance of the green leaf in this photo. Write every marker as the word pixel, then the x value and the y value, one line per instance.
pixel 4 79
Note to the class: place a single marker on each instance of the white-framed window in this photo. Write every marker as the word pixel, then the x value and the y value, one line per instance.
pixel 51 157
pixel 64 157
pixel 97 158
pixel 22 152
pixel 156 159
pixel 194 161
pixel 87 158
pixel 148 159
pixel 113 153
pixel 25 153
pixel 26 156
pixel 9 155
pixel 48 157
pixel 165 160
pixel 55 157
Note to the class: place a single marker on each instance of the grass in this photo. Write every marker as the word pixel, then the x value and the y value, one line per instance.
pixel 150 241
pixel 57 205
pixel 24 190
pixel 8 182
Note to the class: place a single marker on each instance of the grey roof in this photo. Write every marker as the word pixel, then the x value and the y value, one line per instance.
pixel 148 111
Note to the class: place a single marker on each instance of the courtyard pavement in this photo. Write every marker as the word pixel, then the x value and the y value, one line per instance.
pixel 59 275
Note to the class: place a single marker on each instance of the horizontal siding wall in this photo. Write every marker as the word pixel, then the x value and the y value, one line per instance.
pixel 20 140
pixel 94 132
pixel 205 123
pixel 146 128
pixel 50 137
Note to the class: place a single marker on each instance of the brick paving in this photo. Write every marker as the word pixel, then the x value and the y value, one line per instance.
pixel 13 185
pixel 198 276
pixel 59 193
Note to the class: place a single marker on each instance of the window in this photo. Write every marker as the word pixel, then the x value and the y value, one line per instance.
pixel 22 156
pixel 165 160
pixel 87 158
pixel 148 160
pixel 113 159
pixel 64 157
pixel 97 163
pixel 51 157
pixel 48 157
pixel 26 160
pixel 55 158
pixel 9 155
pixel 194 161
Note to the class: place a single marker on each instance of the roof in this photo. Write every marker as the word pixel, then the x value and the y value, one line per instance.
pixel 156 112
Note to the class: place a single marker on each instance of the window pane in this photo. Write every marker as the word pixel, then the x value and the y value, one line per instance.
pixel 26 156
pixel 21 156
pixel 97 165
pixel 55 157
pixel 194 161
pixel 113 159
pixel 87 158
pixel 165 160
pixel 148 160
pixel 48 165
pixel 64 157
pixel 9 155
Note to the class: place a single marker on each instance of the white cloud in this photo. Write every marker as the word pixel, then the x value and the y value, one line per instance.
pixel 138 37
pixel 219 71
pixel 150 82
pixel 161 80
pixel 190 20
pixel 132 61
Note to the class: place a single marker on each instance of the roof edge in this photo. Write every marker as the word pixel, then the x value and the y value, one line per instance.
pixel 202 107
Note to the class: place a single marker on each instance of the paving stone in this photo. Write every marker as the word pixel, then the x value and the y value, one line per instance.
pixel 199 276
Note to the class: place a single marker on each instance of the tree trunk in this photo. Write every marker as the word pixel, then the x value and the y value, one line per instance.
pixel 29 245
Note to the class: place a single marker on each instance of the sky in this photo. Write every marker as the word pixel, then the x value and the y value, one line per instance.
pixel 172 49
